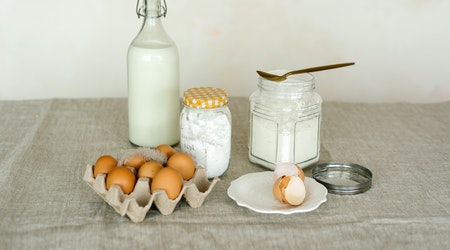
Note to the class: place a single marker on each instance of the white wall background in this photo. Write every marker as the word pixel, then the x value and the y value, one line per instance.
pixel 59 49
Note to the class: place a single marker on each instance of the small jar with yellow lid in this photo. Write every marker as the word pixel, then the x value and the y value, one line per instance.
pixel 205 125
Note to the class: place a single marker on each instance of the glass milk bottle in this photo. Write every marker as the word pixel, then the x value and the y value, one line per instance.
pixel 285 121
pixel 153 81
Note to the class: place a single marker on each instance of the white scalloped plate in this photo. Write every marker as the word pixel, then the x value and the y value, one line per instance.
pixel 254 191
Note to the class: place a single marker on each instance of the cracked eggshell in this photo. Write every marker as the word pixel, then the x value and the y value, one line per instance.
pixel 286 169
pixel 290 190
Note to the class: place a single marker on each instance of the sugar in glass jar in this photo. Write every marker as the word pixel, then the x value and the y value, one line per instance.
pixel 285 121
pixel 205 125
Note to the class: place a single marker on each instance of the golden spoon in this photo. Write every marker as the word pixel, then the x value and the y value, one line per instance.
pixel 277 78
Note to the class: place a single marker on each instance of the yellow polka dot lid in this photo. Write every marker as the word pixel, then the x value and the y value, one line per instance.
pixel 205 97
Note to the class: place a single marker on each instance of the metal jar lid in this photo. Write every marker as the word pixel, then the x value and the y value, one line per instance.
pixel 205 97
pixel 342 177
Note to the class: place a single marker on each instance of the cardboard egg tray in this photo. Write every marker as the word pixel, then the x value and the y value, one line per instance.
pixel 136 204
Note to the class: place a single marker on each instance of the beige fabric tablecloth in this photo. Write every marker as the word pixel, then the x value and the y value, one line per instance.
pixel 44 203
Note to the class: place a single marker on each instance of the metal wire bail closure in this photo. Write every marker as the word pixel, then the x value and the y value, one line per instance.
pixel 141 9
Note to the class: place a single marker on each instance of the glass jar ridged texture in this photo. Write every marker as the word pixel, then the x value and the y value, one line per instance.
pixel 285 121
pixel 205 126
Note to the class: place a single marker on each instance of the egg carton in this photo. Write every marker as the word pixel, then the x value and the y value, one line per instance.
pixel 136 204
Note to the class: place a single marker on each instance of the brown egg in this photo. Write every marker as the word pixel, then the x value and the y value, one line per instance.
pixel 134 161
pixel 104 165
pixel 183 163
pixel 290 190
pixel 169 180
pixel 122 176
pixel 166 149
pixel 149 169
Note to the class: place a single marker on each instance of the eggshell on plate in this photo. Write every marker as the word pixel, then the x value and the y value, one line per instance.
pixel 285 169
pixel 183 163
pixel 276 190
pixel 123 177
pixel 169 180
pixel 290 190
pixel 104 165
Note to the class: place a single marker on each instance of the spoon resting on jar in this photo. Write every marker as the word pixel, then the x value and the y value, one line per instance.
pixel 277 78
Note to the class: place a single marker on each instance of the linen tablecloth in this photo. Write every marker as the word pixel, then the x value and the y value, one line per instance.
pixel 45 146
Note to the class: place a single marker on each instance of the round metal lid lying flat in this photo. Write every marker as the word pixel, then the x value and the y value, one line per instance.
pixel 343 177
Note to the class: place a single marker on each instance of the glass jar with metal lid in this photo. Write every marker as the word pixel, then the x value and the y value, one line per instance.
pixel 285 121
pixel 205 124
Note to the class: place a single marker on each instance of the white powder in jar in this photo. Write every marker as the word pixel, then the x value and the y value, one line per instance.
pixel 285 121
pixel 296 142
pixel 206 136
